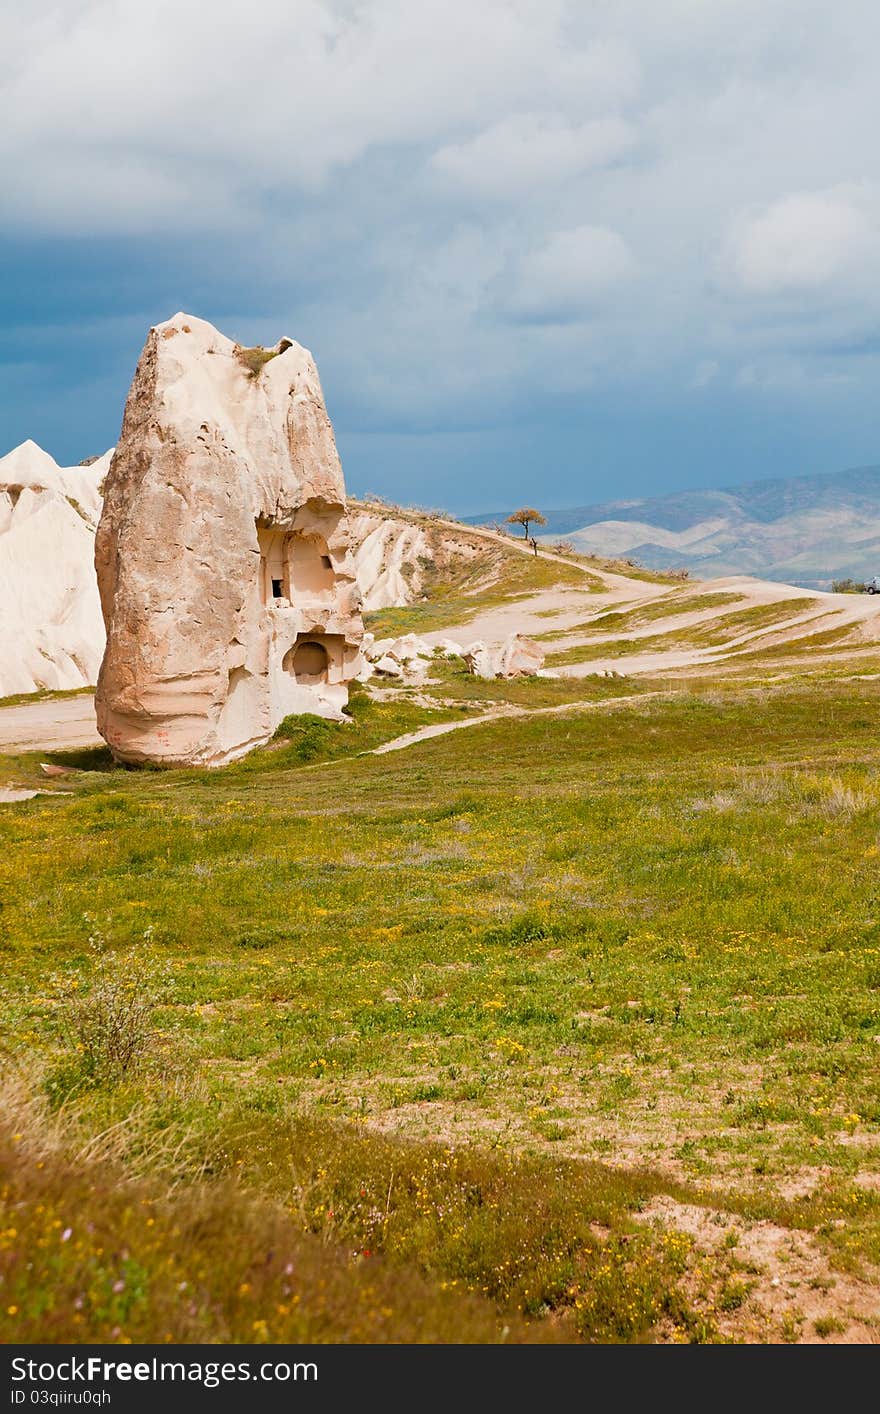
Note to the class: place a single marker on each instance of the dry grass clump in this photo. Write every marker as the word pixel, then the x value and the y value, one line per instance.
pixel 255 359
pixel 804 795
pixel 110 1006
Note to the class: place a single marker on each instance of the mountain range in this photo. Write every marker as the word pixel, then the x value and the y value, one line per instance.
pixel 806 530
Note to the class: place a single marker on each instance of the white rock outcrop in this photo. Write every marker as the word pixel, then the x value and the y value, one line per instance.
pixel 396 556
pixel 51 629
pixel 406 659
pixel 387 555
pixel 516 657
pixel 222 553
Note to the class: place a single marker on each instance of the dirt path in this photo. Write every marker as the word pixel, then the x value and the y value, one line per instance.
pixel 50 725
pixel 575 613
pixel 827 610
pixel 548 609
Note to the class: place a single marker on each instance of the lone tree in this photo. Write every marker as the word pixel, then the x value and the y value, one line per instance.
pixel 524 517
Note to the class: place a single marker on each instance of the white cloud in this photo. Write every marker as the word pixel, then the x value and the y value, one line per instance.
pixel 805 241
pixel 286 94
pixel 397 182
pixel 531 150
pixel 567 277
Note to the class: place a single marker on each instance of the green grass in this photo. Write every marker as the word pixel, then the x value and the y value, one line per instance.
pixel 664 607
pixel 717 632
pixel 305 739
pixel 556 965
pixel 730 626
pixel 828 639
pixel 310 1230
pixel 44 694
pixel 456 593
pixel 452 683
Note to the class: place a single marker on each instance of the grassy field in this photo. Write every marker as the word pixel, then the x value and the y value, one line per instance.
pixel 715 632
pixel 554 1028
pixel 16 699
pixel 667 606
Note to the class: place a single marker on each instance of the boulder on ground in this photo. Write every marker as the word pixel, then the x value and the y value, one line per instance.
pixel 406 658
pixel 387 667
pixel 409 648
pixel 226 584
pixel 449 648
pixel 516 657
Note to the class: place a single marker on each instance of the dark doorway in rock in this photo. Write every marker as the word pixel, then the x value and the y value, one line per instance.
pixel 274 577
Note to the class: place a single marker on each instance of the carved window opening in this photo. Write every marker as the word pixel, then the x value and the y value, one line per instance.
pixel 307 661
pixel 274 560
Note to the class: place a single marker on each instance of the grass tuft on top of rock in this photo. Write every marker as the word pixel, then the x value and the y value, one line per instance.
pixel 255 359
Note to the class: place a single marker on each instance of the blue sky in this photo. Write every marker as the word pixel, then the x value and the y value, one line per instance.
pixel 555 252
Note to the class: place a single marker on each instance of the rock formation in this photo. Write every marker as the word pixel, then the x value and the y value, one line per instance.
pixel 388 553
pixel 51 631
pixel 408 659
pixel 397 553
pixel 222 554
pixel 516 657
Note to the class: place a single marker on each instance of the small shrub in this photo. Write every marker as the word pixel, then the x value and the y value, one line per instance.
pixel 734 1294
pixel 424 1093
pixel 521 931
pixel 829 1325
pixel 309 736
pixel 259 938
pixel 109 1011
pixel 791 1327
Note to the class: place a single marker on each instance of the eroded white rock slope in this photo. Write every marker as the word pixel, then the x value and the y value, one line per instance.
pixel 51 630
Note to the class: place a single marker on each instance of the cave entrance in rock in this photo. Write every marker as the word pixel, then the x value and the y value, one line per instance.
pixel 307 661
pixel 274 575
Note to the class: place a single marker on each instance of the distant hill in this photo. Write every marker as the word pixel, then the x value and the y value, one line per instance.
pixel 806 530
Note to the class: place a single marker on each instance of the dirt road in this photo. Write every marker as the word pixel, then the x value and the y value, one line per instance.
pixel 50 725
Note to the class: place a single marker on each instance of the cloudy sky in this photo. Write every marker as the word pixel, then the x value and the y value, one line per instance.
pixel 562 252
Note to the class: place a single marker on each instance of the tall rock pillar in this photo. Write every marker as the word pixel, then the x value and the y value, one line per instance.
pixel 227 588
